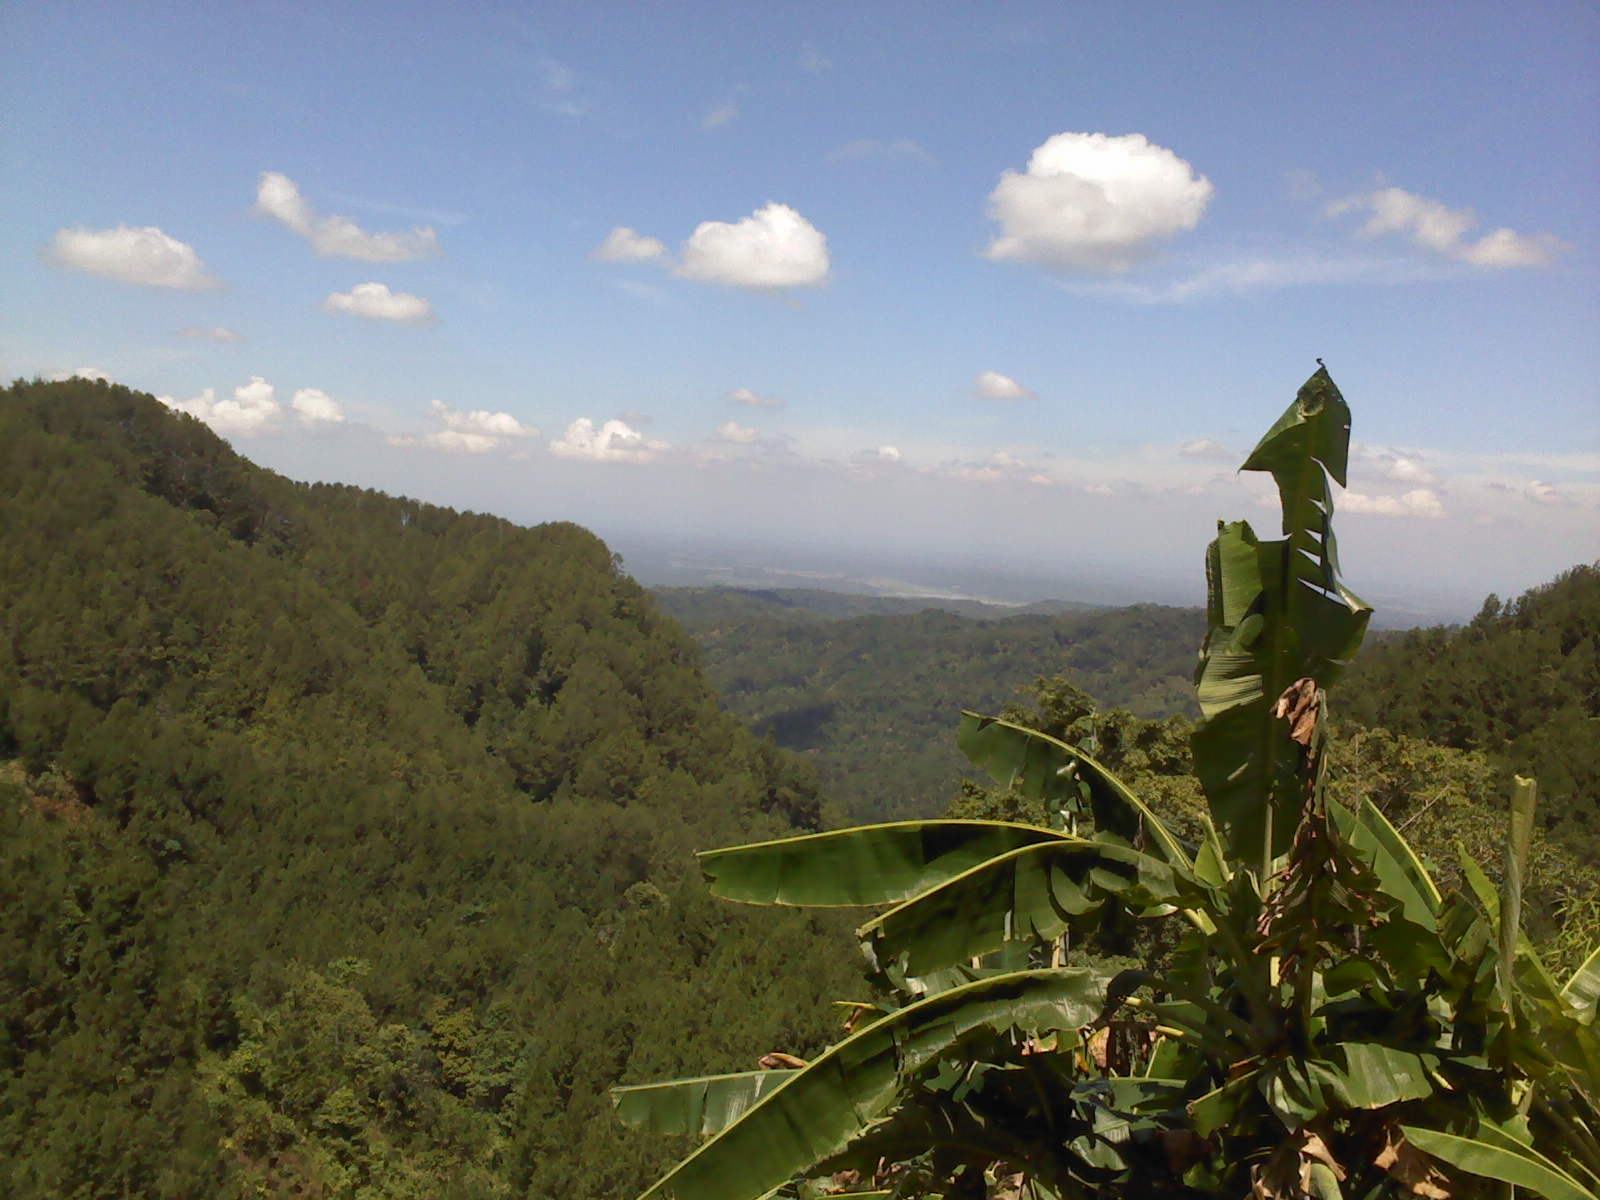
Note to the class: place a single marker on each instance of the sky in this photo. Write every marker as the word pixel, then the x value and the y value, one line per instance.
pixel 998 294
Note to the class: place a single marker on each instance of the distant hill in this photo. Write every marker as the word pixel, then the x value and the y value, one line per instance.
pixel 873 700
pixel 699 608
pixel 1520 682
pixel 346 841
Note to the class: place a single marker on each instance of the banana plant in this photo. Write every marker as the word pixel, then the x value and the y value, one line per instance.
pixel 1329 1024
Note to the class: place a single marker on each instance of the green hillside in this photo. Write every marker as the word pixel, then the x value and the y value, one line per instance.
pixel 347 840
pixel 1520 683
pixel 873 700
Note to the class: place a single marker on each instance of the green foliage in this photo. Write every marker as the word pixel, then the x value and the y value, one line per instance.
pixel 1329 1023
pixel 1520 684
pixel 344 840
pixel 870 699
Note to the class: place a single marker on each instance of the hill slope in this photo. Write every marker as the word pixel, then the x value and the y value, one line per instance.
pixel 345 841
pixel 1520 683
pixel 874 700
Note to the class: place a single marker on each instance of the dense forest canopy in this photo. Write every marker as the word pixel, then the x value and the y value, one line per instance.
pixel 870 698
pixel 347 839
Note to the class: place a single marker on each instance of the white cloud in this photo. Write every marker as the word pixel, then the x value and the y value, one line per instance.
pixel 94 374
pixel 453 441
pixel 1443 230
pixel 376 302
pixel 1422 502
pixel 252 409
pixel 775 247
pixel 889 453
pixel 474 431
pixel 719 116
pixel 614 441
pixel 902 149
pixel 1541 492
pixel 750 399
pixel 315 407
pixel 145 256
pixel 1090 202
pixel 481 421
pixel 625 245
pixel 1207 448
pixel 1402 466
pixel 1001 465
pixel 278 197
pixel 732 431
pixel 992 385
pixel 1262 274
pixel 214 333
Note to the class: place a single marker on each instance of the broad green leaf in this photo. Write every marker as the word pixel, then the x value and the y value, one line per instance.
pixel 869 865
pixel 1034 762
pixel 1390 856
pixel 1277 613
pixel 1498 1162
pixel 1582 990
pixel 1524 798
pixel 818 1110
pixel 1031 892
pixel 1369 1075
pixel 700 1106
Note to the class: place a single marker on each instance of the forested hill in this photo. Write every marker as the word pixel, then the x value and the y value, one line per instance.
pixel 1520 682
pixel 874 700
pixel 345 841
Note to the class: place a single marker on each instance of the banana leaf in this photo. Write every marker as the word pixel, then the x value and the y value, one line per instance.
pixel 868 865
pixel 1032 892
pixel 1582 990
pixel 1277 614
pixel 817 1111
pixel 1520 1165
pixel 700 1107
pixel 1524 798
pixel 1370 1075
pixel 1391 858
pixel 1045 768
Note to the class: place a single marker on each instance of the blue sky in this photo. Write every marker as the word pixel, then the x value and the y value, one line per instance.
pixel 1011 286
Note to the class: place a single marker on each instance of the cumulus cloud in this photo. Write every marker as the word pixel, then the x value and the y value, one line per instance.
pixel 1541 492
pixel 614 441
pixel 750 399
pixel 901 149
pixel 1402 466
pixel 889 453
pixel 1091 202
pixel 1436 227
pixel 481 421
pixel 315 407
pixel 773 248
pixel 145 256
pixel 1205 448
pixel 1001 465
pixel 376 302
pixel 626 245
pixel 992 385
pixel 212 333
pixel 252 409
pixel 1422 502
pixel 732 431
pixel 94 374
pixel 278 197
pixel 474 431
